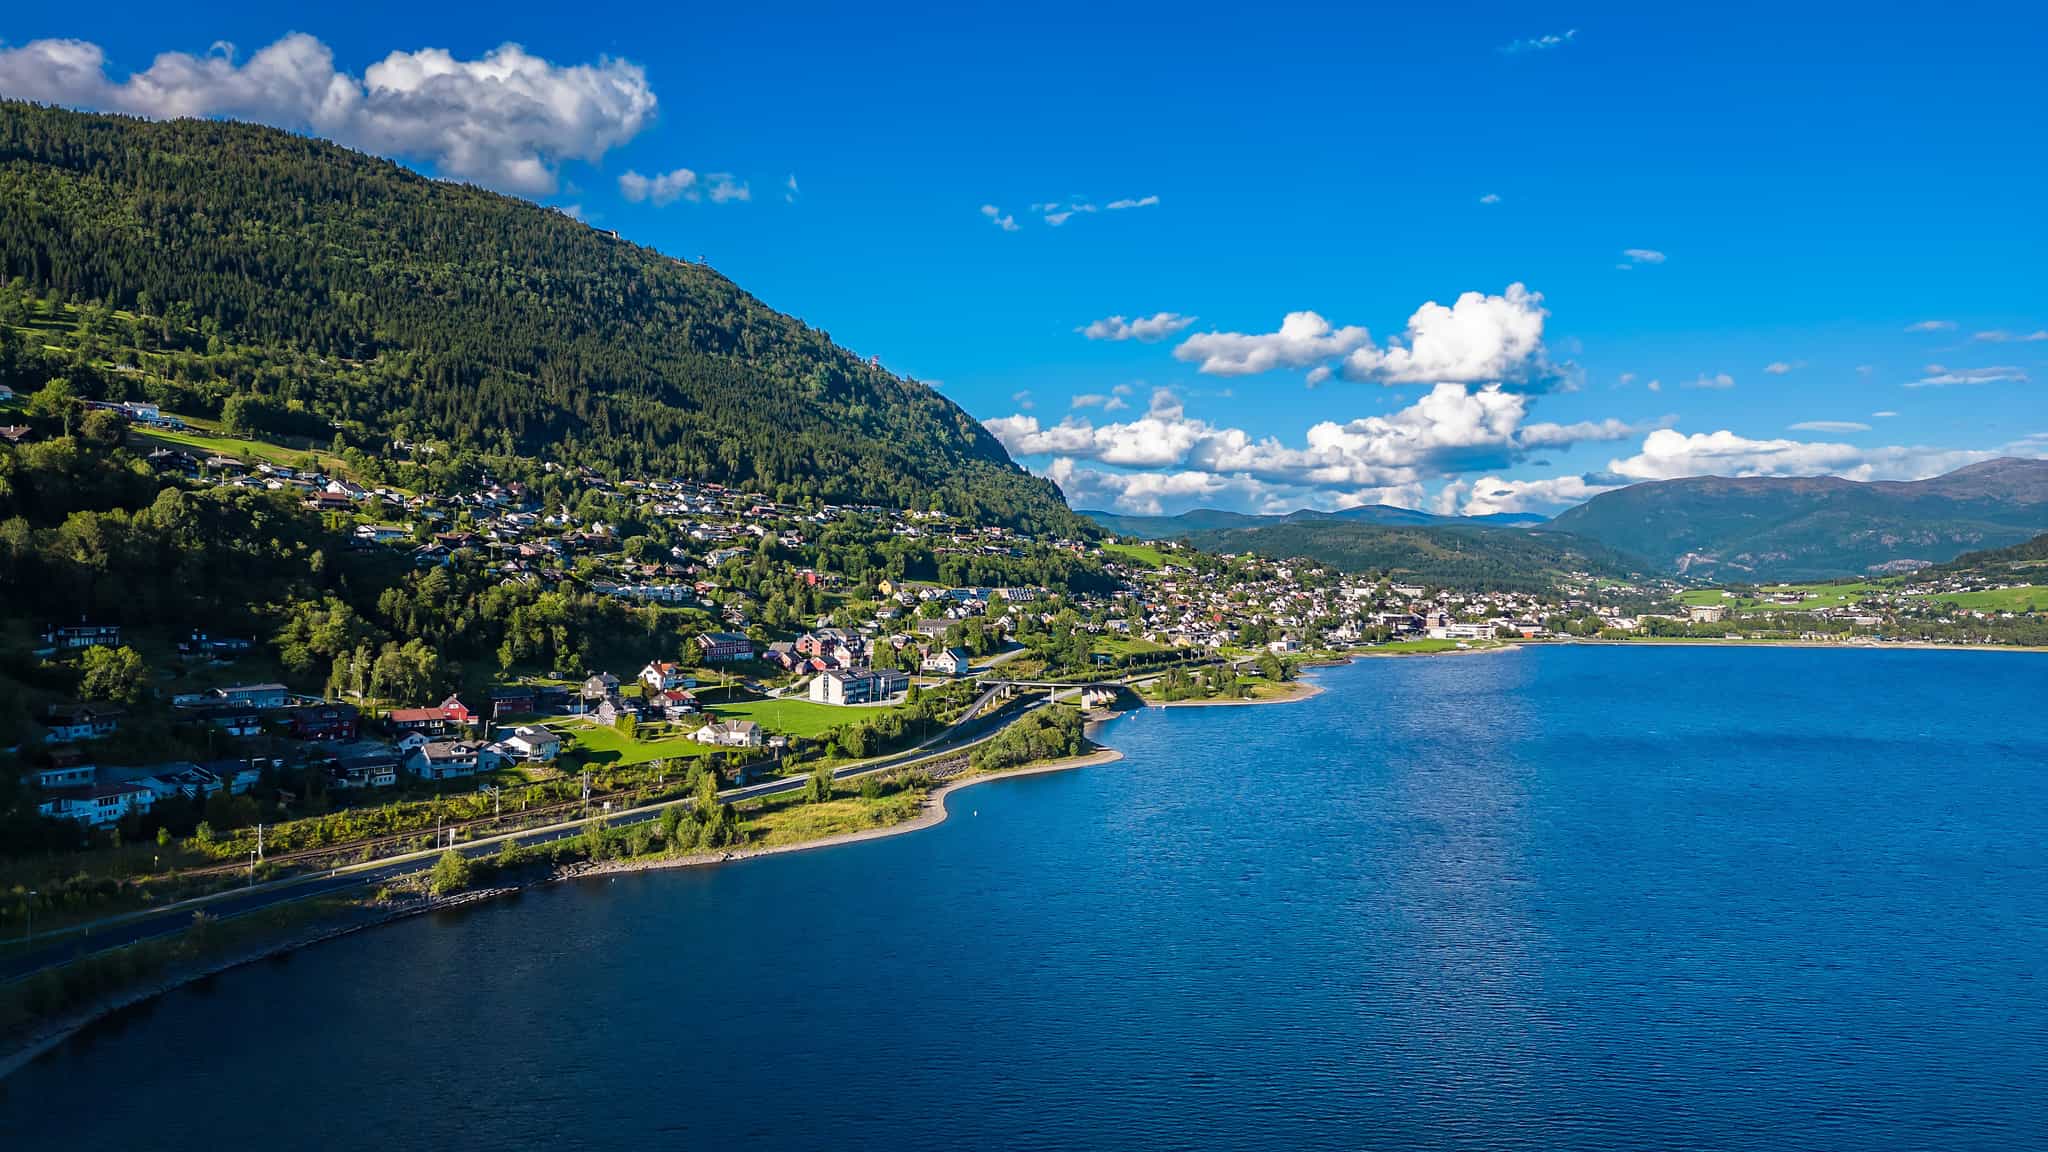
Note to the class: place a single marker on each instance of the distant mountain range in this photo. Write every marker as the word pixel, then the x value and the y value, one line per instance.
pixel 1706 527
pixel 1479 557
pixel 1215 519
pixel 1817 527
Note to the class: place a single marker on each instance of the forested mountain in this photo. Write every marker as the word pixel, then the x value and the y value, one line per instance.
pixel 1818 527
pixel 336 291
pixel 1476 557
pixel 1212 519
pixel 1998 562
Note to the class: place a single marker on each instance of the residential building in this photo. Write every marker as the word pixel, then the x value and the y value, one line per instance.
pixel 325 722
pixel 367 768
pixel 533 743
pixel 447 760
pixel 866 686
pixel 73 638
pixel 949 662
pixel 517 700
pixel 254 695
pixel 70 723
pixel 730 734
pixel 661 676
pixel 724 647
pixel 450 718
pixel 100 805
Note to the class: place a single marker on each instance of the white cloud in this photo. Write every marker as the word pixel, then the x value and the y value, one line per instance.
pixel 1490 198
pixel 1541 43
pixel 1022 399
pixel 682 184
pixel 999 218
pixel 1720 381
pixel 1655 385
pixel 1304 338
pixel 1140 202
pixel 1491 495
pixel 2001 336
pixel 1669 455
pixel 790 192
pixel 1111 403
pixel 1882 415
pixel 1478 338
pixel 1643 255
pixel 725 187
pixel 1450 429
pixel 1152 493
pixel 1829 426
pixel 1932 326
pixel 1146 329
pixel 1940 377
pixel 506 119
pixel 1777 368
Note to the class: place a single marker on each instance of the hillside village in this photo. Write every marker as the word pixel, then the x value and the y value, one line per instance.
pixel 847 644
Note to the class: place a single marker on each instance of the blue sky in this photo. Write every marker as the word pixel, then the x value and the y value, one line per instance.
pixel 1851 194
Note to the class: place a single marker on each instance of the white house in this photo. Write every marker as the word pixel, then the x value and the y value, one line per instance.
pixel 534 744
pixel 99 804
pixel 729 734
pixel 665 677
pixel 450 759
pixel 949 662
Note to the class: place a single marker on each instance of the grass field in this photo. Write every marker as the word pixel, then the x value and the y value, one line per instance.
pixel 1425 645
pixel 788 821
pixel 602 745
pixel 1126 645
pixel 1813 596
pixel 2022 599
pixel 257 450
pixel 794 717
pixel 1140 554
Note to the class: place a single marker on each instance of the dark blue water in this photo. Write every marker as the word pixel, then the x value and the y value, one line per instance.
pixel 1576 898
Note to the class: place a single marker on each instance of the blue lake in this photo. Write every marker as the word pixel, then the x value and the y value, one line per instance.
pixel 1565 898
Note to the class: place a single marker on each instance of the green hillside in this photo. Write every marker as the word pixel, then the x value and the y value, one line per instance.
pixel 194 262
pixel 1820 527
pixel 1472 557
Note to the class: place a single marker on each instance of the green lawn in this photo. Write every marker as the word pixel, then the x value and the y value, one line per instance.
pixel 1141 554
pixel 794 717
pixel 2025 598
pixel 610 746
pixel 1814 596
pixel 240 449
pixel 1422 645
pixel 1126 645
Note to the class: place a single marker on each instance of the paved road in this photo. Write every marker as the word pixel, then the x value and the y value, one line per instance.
pixel 120 931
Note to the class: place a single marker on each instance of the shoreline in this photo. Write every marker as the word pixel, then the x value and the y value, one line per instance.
pixel 931 813
pixel 64 1028
pixel 1722 642
pixel 1303 690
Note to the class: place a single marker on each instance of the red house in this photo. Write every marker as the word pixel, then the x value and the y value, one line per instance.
pixel 325 722
pixel 452 716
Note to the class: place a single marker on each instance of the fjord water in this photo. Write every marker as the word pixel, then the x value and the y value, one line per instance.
pixel 1557 898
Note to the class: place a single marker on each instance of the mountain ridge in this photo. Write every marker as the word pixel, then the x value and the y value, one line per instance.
pixel 1817 527
pixel 213 259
